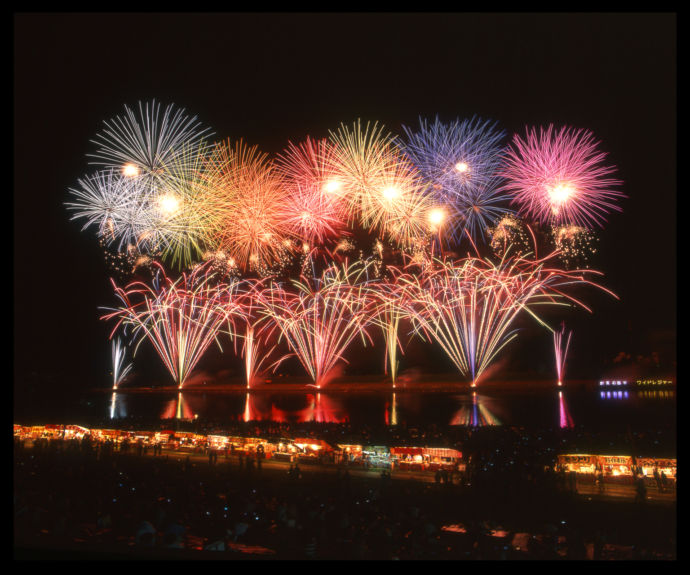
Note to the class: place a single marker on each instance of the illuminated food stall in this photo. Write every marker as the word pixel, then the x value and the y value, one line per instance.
pixel 52 431
pixel 218 442
pixel 310 450
pixel 36 431
pixel 616 465
pixel 425 458
pixel 350 452
pixel 163 437
pixel 145 437
pixel 666 465
pixel 75 432
pixel 114 435
pixel 377 456
pixel 187 441
pixel 578 462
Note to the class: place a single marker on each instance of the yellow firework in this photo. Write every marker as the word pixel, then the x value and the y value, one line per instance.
pixel 361 157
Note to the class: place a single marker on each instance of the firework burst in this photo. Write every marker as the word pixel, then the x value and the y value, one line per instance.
pixel 316 209
pixel 246 206
pixel 575 245
pixel 361 159
pixel 559 177
pixel 510 234
pixel 145 144
pixel 112 203
pixel 460 160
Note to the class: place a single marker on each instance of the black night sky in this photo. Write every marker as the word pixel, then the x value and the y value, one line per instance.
pixel 279 77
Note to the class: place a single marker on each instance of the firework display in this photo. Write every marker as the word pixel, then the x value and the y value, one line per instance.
pixel 469 306
pixel 179 318
pixel 321 317
pixel 258 328
pixel 342 214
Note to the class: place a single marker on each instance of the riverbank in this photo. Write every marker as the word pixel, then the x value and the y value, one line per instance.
pixel 359 385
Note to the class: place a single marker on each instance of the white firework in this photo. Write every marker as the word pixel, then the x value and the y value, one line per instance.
pixel 146 144
pixel 112 203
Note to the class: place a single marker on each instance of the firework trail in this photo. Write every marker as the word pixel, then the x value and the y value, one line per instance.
pixel 390 306
pixel 561 351
pixel 120 370
pixel 180 318
pixel 257 329
pixel 461 160
pixel 467 311
pixel 559 177
pixel 320 318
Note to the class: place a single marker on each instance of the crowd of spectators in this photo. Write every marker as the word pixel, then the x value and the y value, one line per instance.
pixel 510 502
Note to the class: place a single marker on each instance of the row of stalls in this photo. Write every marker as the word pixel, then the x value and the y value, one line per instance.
pixel 617 466
pixel 403 458
pixel 49 431
pixel 298 450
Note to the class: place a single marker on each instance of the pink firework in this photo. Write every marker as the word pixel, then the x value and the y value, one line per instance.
pixel 258 330
pixel 560 177
pixel 561 351
pixel 315 209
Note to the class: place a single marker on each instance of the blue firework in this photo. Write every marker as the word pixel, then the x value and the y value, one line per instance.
pixel 460 161
pixel 477 210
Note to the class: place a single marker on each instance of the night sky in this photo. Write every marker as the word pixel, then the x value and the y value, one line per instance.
pixel 273 78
